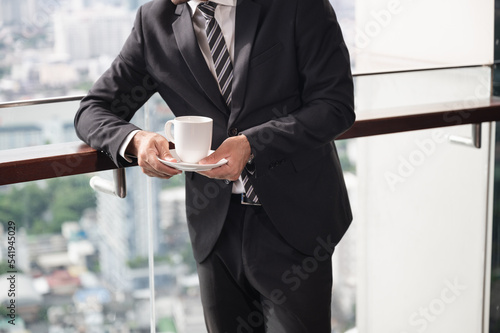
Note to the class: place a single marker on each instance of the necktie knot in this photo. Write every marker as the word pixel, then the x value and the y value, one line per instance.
pixel 207 9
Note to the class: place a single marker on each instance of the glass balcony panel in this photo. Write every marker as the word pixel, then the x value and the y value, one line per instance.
pixel 72 258
pixel 420 202
pixel 449 88
pixel 82 256
pixel 422 226
pixel 36 125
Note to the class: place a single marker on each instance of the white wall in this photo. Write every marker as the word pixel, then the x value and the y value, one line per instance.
pixel 423 33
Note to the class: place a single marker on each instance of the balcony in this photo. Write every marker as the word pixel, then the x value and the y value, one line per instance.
pixel 422 254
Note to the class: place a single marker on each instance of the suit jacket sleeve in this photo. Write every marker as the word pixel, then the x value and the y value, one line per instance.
pixel 326 89
pixel 102 120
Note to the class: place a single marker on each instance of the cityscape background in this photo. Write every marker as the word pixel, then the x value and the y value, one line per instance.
pixel 60 47
pixel 84 255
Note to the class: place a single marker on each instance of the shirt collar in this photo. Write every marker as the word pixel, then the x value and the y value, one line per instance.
pixel 194 3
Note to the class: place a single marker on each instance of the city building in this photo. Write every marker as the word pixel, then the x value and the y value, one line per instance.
pixel 20 136
pixel 91 32
pixel 124 233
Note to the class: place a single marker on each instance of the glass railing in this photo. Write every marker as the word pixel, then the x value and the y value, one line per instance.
pixel 415 259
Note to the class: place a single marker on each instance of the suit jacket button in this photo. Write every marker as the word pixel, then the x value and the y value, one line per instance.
pixel 226 181
pixel 233 132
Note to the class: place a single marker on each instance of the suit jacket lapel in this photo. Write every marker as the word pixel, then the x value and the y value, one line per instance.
pixel 188 46
pixel 247 17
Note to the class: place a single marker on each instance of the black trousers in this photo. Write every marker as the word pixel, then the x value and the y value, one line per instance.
pixel 255 282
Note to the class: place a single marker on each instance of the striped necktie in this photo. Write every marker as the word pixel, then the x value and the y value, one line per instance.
pixel 218 50
pixel 224 71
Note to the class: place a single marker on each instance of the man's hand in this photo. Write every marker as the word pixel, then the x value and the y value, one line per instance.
pixel 236 150
pixel 147 146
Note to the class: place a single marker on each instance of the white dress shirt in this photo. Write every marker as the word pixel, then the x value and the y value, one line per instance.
pixel 225 14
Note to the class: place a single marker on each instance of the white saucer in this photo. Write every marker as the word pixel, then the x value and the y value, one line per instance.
pixel 184 166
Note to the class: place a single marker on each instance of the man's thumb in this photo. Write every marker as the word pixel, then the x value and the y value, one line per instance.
pixel 167 156
pixel 211 159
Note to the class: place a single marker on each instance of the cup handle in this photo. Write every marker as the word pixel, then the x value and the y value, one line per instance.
pixel 168 131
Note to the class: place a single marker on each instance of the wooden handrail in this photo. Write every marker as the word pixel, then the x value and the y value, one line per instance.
pixel 50 161
pixel 412 118
pixel 65 159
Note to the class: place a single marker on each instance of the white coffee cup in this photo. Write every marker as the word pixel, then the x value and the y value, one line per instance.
pixel 192 137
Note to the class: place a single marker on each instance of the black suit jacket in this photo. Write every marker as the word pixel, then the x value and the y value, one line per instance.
pixel 292 96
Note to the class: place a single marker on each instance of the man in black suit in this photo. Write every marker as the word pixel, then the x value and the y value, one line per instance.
pixel 264 265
